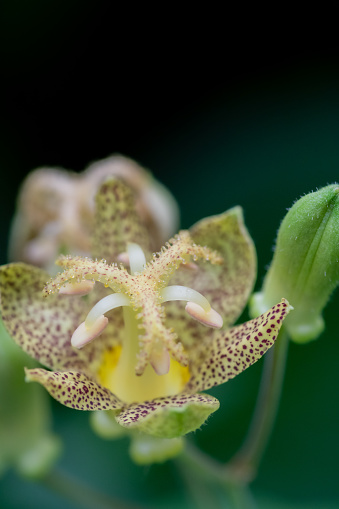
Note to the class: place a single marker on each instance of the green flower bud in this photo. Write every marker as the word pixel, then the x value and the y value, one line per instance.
pixel 105 426
pixel 146 450
pixel 305 266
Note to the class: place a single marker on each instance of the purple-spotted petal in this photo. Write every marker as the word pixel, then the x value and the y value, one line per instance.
pixel 226 286
pixel 229 285
pixel 233 351
pixel 43 327
pixel 169 417
pixel 154 203
pixel 116 222
pixel 75 390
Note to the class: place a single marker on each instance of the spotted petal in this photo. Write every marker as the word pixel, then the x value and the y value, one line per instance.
pixel 233 351
pixel 43 327
pixel 116 221
pixel 169 417
pixel 227 286
pixel 74 390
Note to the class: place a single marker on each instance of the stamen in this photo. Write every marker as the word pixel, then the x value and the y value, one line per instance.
pixel 123 258
pixel 160 359
pixel 82 288
pixel 137 259
pixel 210 318
pixel 177 292
pixel 112 301
pixel 95 321
pixel 197 305
pixel 83 335
pixel 189 266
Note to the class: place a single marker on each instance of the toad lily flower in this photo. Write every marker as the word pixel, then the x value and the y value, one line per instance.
pixel 129 347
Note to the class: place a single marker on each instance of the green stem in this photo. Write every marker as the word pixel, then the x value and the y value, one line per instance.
pixel 211 482
pixel 245 462
pixel 200 496
pixel 81 494
pixel 236 474
pixel 240 496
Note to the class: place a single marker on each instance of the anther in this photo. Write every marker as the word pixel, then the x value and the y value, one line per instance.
pixel 81 288
pixel 209 318
pixel 189 266
pixel 123 258
pixel 83 335
pixel 160 359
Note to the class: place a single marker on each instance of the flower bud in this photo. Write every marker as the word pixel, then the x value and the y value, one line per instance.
pixel 146 450
pixel 305 265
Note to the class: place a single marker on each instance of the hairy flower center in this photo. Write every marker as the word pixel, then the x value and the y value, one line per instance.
pixel 149 348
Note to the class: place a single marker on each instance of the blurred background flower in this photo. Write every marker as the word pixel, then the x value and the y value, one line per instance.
pixel 221 120
pixel 55 210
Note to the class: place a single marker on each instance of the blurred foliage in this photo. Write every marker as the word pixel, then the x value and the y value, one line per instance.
pixel 26 441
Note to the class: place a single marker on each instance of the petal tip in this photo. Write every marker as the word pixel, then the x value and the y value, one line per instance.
pixel 289 307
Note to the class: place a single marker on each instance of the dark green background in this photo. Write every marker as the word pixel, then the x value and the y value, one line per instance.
pixel 220 123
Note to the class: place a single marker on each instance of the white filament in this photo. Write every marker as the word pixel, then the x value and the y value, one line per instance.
pixel 112 301
pixel 137 259
pixel 177 292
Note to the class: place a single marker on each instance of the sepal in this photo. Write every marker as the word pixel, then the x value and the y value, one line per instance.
pixel 169 417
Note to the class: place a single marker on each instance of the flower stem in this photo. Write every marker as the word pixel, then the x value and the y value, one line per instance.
pixel 81 494
pixel 209 482
pixel 197 492
pixel 240 470
pixel 245 462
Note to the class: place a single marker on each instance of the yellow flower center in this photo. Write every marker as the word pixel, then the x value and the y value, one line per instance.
pixel 131 388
